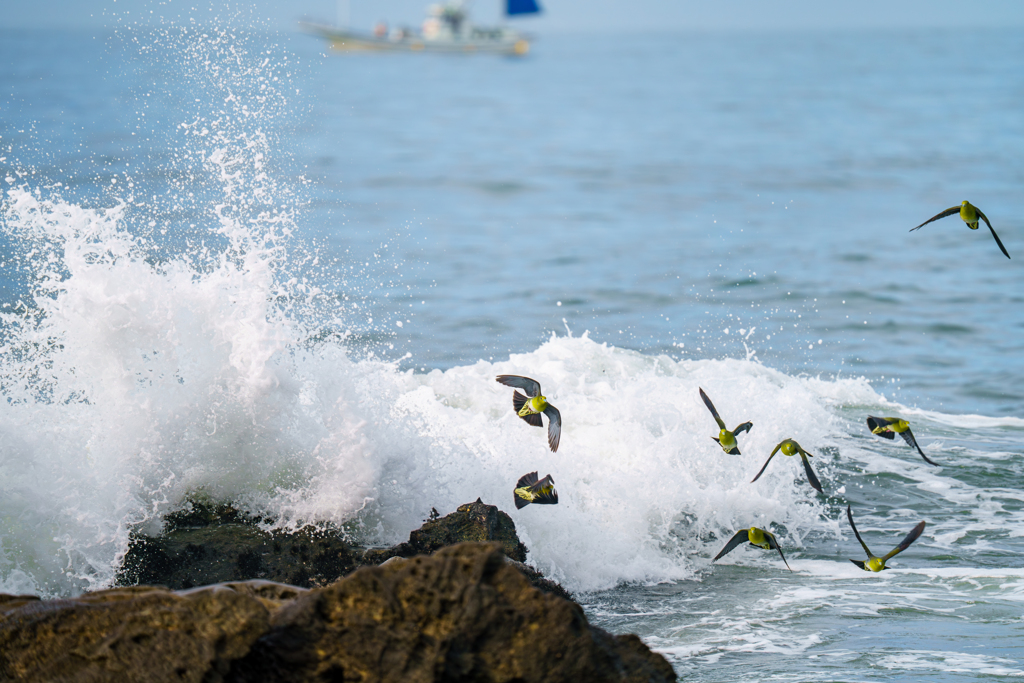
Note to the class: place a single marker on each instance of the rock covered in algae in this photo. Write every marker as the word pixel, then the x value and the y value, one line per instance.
pixel 204 544
pixel 463 615
pixel 476 521
pixel 129 634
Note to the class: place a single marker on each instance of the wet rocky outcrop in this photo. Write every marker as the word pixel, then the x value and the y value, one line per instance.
pixel 463 614
pixel 475 521
pixel 205 544
pixel 129 634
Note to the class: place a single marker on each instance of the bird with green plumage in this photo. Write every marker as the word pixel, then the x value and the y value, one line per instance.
pixel 726 439
pixel 970 214
pixel 791 447
pixel 889 427
pixel 877 564
pixel 756 537
pixel 529 490
pixel 531 406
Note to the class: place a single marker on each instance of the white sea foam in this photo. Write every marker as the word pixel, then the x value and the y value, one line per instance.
pixel 965 421
pixel 952 662
pixel 762 640
pixel 132 384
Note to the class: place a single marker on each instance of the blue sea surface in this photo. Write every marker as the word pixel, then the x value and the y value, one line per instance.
pixel 235 262
pixel 667 188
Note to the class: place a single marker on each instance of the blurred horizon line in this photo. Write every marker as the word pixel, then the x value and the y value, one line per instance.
pixel 552 32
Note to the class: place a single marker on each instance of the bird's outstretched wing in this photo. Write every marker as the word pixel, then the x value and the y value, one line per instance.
pixel 773 543
pixel 711 407
pixel 777 447
pixel 554 426
pixel 948 212
pixel 908 436
pixel 860 564
pixel 811 477
pixel 849 516
pixel 745 427
pixel 530 386
pixel 518 400
pixel 881 422
pixel 998 241
pixel 905 543
pixel 741 536
pixel 524 481
pixel 527 480
pixel 544 492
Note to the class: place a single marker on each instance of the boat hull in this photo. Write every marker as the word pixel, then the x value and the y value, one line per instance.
pixel 490 42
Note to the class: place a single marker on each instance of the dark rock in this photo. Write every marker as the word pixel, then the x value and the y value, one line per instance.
pixel 538 581
pixel 128 634
pixel 270 594
pixel 466 614
pixel 470 522
pixel 463 615
pixel 198 513
pixel 206 544
pixel 12 602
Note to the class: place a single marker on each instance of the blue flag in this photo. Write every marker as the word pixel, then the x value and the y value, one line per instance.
pixel 513 7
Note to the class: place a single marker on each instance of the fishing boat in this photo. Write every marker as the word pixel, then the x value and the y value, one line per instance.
pixel 446 29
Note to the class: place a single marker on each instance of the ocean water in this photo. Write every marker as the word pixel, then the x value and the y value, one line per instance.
pixel 237 266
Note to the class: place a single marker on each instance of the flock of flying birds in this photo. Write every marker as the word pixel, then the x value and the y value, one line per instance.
pixel 529 407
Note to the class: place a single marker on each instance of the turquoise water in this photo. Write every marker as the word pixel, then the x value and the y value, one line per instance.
pixel 235 264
